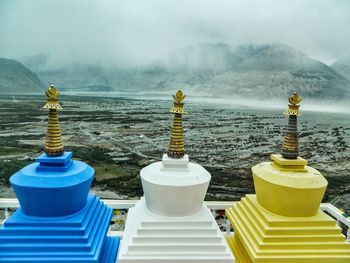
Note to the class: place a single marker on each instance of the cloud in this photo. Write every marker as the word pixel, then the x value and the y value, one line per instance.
pixel 133 32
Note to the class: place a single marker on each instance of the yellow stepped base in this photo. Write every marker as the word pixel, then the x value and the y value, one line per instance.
pixel 264 237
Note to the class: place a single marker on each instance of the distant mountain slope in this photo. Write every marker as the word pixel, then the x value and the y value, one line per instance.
pixel 16 78
pixel 75 77
pixel 342 66
pixel 260 71
pixel 277 70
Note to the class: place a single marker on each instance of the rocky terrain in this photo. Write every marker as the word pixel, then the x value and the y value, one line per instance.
pixel 15 78
pixel 119 136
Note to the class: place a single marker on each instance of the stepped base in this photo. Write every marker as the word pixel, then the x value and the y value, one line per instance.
pixel 155 239
pixel 261 236
pixel 109 251
pixel 80 237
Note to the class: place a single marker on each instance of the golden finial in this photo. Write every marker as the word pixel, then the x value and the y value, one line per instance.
pixel 52 102
pixel 290 146
pixel 293 107
pixel 177 144
pixel 53 144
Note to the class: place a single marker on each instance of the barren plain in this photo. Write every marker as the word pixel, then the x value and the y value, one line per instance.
pixel 120 136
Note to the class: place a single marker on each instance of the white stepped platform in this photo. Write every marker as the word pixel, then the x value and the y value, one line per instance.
pixel 153 238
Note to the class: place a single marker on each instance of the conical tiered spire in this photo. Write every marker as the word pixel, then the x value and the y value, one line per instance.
pixel 290 146
pixel 177 144
pixel 53 144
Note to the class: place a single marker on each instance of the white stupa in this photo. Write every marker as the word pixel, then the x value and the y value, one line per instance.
pixel 171 223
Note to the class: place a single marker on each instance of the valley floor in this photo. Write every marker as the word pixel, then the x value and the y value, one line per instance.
pixel 119 136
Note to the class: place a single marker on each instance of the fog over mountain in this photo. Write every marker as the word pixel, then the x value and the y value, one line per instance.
pixel 132 32
pixel 220 70
pixel 343 67
pixel 212 48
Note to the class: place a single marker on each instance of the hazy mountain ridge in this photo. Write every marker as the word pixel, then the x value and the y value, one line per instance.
pixel 15 78
pixel 277 70
pixel 343 67
pixel 75 77
pixel 256 70
pixel 273 70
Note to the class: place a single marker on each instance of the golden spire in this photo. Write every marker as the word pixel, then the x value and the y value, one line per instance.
pixel 290 146
pixel 53 144
pixel 177 145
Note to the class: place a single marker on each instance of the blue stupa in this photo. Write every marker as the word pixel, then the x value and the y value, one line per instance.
pixel 58 220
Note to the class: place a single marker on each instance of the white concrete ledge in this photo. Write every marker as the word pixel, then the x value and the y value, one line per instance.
pixel 121 204
pixel 213 205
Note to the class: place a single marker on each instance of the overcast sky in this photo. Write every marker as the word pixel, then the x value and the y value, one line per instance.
pixel 129 31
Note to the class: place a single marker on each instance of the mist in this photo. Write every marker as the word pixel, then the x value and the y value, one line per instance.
pixel 54 34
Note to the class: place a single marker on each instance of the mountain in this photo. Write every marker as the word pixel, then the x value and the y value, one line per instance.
pixel 260 71
pixel 77 77
pixel 342 66
pixel 277 70
pixel 221 70
pixel 16 78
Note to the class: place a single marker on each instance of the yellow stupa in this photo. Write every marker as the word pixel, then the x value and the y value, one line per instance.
pixel 283 221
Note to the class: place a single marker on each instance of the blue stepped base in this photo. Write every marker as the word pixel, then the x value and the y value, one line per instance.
pixel 80 237
pixel 110 249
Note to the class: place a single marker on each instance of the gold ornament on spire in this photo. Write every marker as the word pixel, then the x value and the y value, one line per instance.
pixel 53 143
pixel 290 146
pixel 177 144
pixel 293 107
